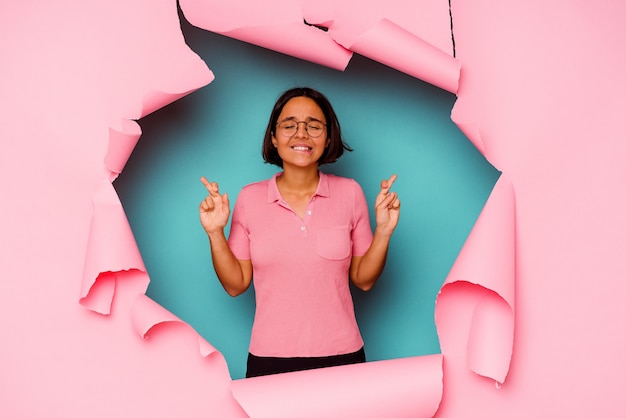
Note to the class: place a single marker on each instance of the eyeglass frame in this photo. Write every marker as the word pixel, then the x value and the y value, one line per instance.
pixel 306 127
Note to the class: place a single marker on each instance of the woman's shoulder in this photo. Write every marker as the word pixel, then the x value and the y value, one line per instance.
pixel 256 188
pixel 256 185
pixel 336 181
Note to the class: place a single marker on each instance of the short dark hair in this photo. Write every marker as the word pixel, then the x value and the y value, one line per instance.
pixel 336 145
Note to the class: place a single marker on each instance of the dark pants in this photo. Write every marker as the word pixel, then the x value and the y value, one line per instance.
pixel 261 366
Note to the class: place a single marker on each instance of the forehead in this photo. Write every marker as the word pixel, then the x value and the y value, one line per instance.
pixel 302 108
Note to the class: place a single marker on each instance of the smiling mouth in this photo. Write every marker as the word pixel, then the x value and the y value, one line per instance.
pixel 301 148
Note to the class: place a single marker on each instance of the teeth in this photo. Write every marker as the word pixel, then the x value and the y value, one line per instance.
pixel 302 148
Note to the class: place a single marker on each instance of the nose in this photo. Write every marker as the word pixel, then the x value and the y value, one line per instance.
pixel 302 132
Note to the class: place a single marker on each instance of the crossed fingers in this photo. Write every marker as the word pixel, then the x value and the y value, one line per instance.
pixel 389 199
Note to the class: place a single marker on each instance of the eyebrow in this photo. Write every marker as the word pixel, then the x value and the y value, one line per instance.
pixel 307 119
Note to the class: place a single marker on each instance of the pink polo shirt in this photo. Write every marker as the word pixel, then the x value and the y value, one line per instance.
pixel 300 266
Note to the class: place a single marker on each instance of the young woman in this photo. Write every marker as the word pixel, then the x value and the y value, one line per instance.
pixel 302 235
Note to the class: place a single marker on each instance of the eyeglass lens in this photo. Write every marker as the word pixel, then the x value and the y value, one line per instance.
pixel 290 127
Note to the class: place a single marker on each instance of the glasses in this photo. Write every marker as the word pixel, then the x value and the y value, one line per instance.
pixel 288 128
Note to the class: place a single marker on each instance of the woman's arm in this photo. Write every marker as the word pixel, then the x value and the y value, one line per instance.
pixel 365 270
pixel 234 275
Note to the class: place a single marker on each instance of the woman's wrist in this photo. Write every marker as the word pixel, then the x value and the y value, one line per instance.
pixel 213 234
pixel 384 231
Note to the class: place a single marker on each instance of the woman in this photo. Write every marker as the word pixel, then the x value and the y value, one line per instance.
pixel 301 234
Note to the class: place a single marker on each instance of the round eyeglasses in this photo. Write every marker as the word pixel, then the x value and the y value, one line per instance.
pixel 288 128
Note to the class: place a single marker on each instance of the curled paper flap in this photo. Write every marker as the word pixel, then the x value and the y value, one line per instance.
pixel 408 387
pixel 101 293
pixel 309 46
pixel 280 28
pixel 188 73
pixel 147 316
pixel 150 66
pixel 490 344
pixel 349 19
pixel 111 248
pixel 398 48
pixel 484 271
pixel 156 99
pixel 425 53
pixel 488 255
pixel 121 145
pixel 471 130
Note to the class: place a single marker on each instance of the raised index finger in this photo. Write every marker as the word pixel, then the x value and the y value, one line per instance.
pixel 385 185
pixel 211 187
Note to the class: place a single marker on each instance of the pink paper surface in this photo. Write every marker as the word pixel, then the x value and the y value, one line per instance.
pixel 279 26
pixel 408 387
pixel 540 94
pixel 392 45
pixel 484 270
pixel 121 145
pixel 413 37
pixel 147 315
pixel 73 75
pixel 347 20
pixel 111 248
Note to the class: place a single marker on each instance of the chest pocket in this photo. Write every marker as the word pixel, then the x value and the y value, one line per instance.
pixel 334 242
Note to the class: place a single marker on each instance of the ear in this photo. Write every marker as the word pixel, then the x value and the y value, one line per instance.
pixel 274 141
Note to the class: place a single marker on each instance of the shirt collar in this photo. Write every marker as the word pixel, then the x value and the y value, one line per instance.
pixel 273 195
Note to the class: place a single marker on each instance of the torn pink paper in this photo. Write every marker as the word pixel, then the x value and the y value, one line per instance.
pixel 278 26
pixel 485 268
pixel 430 64
pixel 136 91
pixel 398 48
pixel 348 20
pixel 146 315
pixel 411 37
pixel 190 79
pixel 111 248
pixel 542 76
pixel 70 72
pixel 409 387
pixel 490 342
pixel 121 145
pixel 471 130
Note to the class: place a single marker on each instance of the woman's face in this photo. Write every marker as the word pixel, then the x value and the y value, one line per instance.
pixel 305 145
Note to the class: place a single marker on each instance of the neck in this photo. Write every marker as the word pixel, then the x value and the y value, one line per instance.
pixel 299 179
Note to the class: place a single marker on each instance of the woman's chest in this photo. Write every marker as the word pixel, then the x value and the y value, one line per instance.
pixel 320 231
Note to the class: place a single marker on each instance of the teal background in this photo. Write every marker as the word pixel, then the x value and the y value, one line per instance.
pixel 395 123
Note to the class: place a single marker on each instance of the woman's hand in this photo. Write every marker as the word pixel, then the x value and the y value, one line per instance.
pixel 365 270
pixel 214 209
pixel 235 275
pixel 387 207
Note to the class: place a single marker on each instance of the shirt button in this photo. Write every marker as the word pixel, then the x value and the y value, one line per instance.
pixel 308 212
pixel 302 228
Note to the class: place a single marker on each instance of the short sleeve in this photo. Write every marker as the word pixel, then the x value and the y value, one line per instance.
pixel 361 231
pixel 239 238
